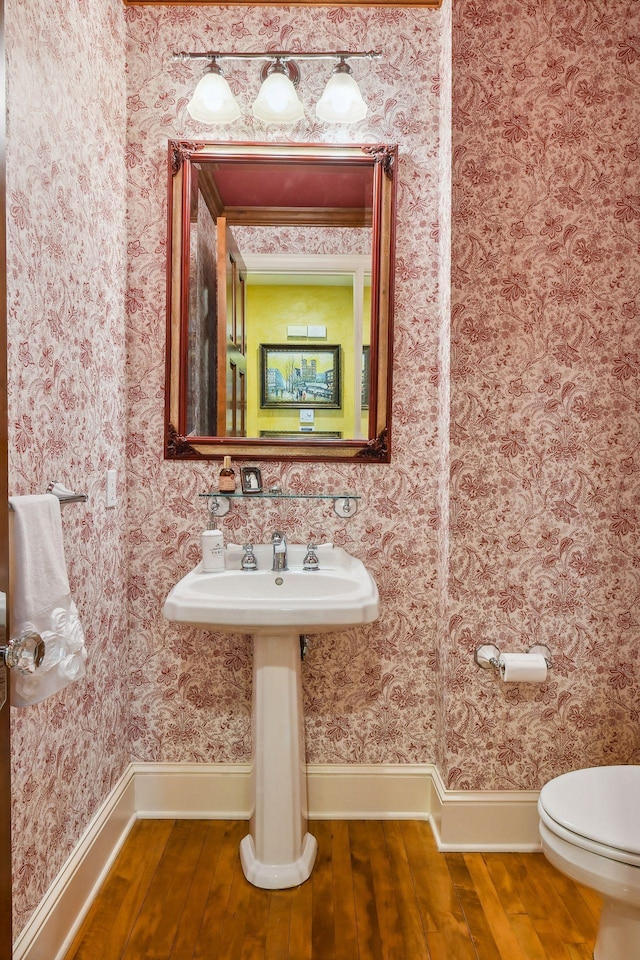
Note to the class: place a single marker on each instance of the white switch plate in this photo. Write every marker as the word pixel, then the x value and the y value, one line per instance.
pixel 112 496
pixel 296 331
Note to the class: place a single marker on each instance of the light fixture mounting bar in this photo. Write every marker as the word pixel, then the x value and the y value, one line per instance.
pixel 279 55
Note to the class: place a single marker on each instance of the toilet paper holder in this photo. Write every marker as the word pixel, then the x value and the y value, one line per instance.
pixel 487 655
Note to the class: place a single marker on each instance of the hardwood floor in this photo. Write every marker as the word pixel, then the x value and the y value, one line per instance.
pixel 380 890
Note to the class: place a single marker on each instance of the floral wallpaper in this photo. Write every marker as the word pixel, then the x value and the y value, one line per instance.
pixel 545 366
pixel 368 692
pixel 538 507
pixel 66 277
pixel 439 374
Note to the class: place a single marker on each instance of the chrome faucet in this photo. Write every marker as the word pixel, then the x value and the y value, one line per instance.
pixel 311 561
pixel 248 561
pixel 279 542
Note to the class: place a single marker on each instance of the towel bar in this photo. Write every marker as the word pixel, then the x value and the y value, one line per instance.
pixel 64 495
pixel 72 497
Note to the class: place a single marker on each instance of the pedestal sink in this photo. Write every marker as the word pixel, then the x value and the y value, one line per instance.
pixel 276 607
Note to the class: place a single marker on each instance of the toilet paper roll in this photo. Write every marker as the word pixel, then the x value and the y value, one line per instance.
pixel 522 667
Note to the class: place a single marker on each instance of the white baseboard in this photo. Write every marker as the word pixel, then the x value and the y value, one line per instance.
pixel 385 791
pixel 335 791
pixel 51 928
pixel 478 820
pixel 195 791
pixel 484 820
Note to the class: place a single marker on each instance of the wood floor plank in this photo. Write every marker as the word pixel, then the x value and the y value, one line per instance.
pixel 546 904
pixel 579 951
pixel 107 927
pixel 220 890
pixel 441 911
pixel 384 894
pixel 366 914
pixel 300 933
pixel 584 913
pixel 323 931
pixel 488 924
pixel 96 928
pixel 255 929
pixel 590 897
pixel 438 944
pixel 527 934
pixel 229 946
pixel 344 905
pixel 549 917
pixel 188 931
pixel 493 909
pixel 155 928
pixel 502 879
pixel 413 935
pixel 278 925
pixel 481 931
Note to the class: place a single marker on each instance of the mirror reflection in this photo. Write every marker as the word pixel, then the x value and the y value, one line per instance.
pixel 280 301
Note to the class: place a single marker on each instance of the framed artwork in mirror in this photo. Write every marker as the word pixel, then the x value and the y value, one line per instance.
pixel 295 376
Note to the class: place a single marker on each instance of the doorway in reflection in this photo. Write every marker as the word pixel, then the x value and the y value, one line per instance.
pixel 297 338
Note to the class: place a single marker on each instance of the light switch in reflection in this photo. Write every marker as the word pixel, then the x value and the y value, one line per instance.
pixel 112 496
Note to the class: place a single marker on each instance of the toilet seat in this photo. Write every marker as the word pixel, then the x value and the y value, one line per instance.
pixel 597 809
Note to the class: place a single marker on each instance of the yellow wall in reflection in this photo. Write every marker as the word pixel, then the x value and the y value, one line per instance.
pixel 270 309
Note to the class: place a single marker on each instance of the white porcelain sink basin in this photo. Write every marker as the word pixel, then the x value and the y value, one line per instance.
pixel 341 593
pixel 276 607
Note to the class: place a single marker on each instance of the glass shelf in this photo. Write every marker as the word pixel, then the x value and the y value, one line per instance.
pixel 238 495
pixel 344 504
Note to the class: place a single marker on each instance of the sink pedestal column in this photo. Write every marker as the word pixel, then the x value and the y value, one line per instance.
pixel 278 852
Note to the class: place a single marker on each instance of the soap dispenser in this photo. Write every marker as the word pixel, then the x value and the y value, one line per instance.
pixel 212 551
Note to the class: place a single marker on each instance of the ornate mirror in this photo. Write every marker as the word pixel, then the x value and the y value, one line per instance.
pixel 280 297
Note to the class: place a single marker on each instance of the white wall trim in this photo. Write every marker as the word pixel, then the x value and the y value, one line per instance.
pixel 335 791
pixel 51 928
pixel 461 820
pixel 196 791
pixel 382 791
pixel 484 820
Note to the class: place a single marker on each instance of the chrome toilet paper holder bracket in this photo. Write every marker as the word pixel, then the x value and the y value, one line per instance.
pixel 487 655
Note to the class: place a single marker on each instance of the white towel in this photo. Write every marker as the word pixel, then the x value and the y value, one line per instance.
pixel 41 600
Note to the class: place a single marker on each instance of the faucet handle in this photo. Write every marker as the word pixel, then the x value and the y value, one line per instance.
pixel 311 561
pixel 248 561
pixel 279 551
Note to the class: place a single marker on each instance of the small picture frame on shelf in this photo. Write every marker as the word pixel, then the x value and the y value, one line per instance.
pixel 251 479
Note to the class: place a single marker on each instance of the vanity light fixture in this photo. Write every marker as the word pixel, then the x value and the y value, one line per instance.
pixel 278 102
pixel 341 101
pixel 212 100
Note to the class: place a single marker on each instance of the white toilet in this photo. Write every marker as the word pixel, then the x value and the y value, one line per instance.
pixel 590 830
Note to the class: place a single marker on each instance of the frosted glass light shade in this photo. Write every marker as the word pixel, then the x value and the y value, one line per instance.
pixel 341 101
pixel 277 101
pixel 213 101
